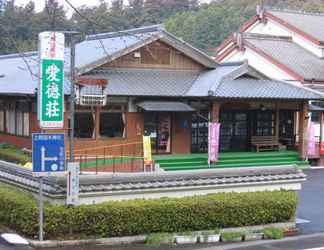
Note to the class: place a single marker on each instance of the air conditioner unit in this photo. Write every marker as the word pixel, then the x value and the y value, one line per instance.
pixel 92 100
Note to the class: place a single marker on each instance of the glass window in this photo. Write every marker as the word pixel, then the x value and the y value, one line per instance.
pixel 112 124
pixel 264 123
pixel 84 125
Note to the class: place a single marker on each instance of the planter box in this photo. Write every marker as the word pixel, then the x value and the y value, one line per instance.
pixel 253 236
pixel 291 232
pixel 212 238
pixel 186 239
pixel 237 239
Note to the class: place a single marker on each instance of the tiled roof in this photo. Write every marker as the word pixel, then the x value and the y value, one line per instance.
pixel 290 54
pixel 224 81
pixel 18 78
pixel 210 79
pixel 56 186
pixel 266 89
pixel 309 23
pixel 96 50
pixel 142 82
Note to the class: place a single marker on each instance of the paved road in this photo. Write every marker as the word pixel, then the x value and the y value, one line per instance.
pixel 308 242
pixel 311 205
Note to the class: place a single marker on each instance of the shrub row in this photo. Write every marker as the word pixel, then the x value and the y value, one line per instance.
pixel 12 154
pixel 18 210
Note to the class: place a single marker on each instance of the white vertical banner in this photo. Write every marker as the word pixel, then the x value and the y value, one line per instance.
pixel 72 187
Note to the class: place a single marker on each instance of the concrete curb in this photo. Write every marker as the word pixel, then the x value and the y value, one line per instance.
pixel 103 241
pixel 260 242
pixel 138 239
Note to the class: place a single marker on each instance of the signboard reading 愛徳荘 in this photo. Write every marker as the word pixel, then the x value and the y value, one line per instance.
pixel 51 87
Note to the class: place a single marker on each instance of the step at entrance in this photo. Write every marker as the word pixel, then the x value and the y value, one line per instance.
pixel 231 160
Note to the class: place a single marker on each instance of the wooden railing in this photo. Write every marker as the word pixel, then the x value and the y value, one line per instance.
pixel 126 157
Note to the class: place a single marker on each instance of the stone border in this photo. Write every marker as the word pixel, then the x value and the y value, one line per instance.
pixel 139 238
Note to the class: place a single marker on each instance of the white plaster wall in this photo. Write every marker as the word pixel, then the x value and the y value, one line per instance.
pixel 275 29
pixel 268 28
pixel 259 63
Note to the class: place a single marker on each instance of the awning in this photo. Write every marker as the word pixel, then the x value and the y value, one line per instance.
pixel 165 106
pixel 312 107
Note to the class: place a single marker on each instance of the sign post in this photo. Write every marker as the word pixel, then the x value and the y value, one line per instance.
pixel 51 86
pixel 48 159
pixel 49 149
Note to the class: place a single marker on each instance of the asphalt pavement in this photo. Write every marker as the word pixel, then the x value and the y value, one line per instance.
pixel 311 203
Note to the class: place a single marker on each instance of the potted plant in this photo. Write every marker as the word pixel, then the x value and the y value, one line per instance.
pixel 231 236
pixel 157 239
pixel 254 235
pixel 186 238
pixel 273 233
pixel 209 236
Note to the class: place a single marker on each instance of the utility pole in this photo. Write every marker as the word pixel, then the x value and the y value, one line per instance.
pixel 72 92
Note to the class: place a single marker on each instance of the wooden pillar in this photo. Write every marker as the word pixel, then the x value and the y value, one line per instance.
pixel 215 111
pixel 97 122
pixel 277 120
pixel 303 135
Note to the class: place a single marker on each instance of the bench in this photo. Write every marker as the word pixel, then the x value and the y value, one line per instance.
pixel 265 143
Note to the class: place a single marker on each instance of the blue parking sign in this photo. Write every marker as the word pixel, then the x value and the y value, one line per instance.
pixel 48 153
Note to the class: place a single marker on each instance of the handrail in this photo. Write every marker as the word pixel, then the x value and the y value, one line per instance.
pixel 103 147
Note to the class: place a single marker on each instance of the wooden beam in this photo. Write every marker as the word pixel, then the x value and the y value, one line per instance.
pixel 215 111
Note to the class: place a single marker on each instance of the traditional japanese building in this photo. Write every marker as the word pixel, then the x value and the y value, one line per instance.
pixel 148 82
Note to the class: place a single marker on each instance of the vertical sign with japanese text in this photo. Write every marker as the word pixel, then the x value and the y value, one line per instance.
pixel 51 87
pixel 147 150
pixel 72 188
pixel 213 141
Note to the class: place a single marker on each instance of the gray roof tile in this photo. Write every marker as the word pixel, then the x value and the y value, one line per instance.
pixel 309 23
pixel 268 89
pixel 141 82
pixel 291 55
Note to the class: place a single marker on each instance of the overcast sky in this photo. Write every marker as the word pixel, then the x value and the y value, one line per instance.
pixel 40 3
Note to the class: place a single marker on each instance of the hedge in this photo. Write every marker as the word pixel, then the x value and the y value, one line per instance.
pixel 18 210
pixel 12 154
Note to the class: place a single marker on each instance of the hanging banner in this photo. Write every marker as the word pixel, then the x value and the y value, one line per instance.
pixel 213 141
pixel 147 150
pixel 51 83
pixel 311 149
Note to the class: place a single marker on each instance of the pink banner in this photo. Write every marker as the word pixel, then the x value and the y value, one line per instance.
pixel 213 141
pixel 311 150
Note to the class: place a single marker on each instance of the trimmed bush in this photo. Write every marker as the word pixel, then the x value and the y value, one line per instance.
pixel 13 154
pixel 18 210
pixel 273 233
